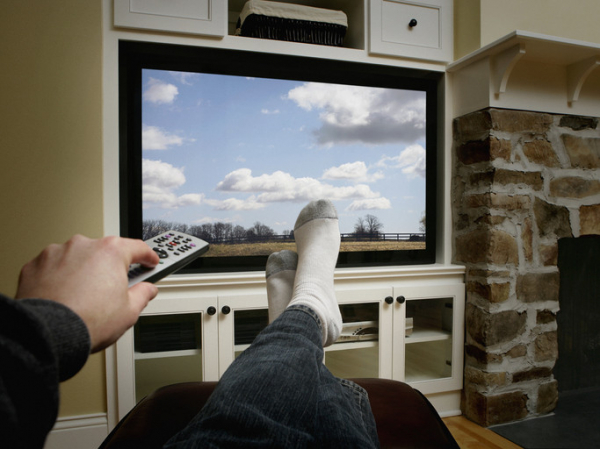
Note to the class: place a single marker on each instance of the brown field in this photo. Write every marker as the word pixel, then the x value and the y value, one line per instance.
pixel 264 249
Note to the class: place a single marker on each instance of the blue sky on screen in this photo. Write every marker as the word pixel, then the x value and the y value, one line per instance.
pixel 240 150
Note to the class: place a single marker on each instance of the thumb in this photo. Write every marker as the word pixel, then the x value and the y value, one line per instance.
pixel 140 295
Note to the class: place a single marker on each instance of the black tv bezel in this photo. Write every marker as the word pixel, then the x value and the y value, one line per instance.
pixel 135 56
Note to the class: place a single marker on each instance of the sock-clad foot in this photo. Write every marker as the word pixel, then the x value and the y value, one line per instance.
pixel 280 274
pixel 317 236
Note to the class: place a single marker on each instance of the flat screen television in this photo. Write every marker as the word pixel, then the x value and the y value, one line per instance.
pixel 230 145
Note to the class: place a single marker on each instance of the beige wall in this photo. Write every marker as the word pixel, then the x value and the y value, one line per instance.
pixel 467 32
pixel 480 22
pixel 51 145
pixel 572 19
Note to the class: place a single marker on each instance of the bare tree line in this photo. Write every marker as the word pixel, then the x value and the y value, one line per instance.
pixel 369 227
pixel 217 232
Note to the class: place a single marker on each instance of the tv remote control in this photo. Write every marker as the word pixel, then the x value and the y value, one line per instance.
pixel 175 250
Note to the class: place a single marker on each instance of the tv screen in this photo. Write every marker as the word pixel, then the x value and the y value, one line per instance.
pixel 229 146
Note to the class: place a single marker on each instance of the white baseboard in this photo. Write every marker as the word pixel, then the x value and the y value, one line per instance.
pixel 78 432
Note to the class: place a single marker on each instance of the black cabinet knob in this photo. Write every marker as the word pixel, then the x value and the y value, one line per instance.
pixel 226 310
pixel 211 310
pixel 389 300
pixel 400 299
pixel 412 23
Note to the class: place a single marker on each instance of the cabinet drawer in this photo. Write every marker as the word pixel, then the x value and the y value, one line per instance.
pixel 207 17
pixel 421 30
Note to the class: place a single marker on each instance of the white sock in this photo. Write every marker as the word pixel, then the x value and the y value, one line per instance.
pixel 280 274
pixel 317 236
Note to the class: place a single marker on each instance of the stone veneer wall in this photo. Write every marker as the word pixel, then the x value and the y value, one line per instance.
pixel 522 181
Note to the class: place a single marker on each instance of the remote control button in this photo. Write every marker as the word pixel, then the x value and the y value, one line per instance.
pixel 162 254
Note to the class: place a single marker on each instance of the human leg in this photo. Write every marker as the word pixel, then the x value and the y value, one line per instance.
pixel 268 396
pixel 317 236
pixel 280 274
pixel 278 393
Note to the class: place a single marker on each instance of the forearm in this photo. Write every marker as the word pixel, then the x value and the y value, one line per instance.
pixel 41 343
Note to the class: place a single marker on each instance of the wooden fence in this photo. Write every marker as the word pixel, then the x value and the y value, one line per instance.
pixel 350 237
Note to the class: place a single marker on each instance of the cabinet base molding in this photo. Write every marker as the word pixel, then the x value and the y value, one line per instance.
pixel 447 403
pixel 78 432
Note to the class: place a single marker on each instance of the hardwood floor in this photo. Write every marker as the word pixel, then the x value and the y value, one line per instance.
pixel 469 435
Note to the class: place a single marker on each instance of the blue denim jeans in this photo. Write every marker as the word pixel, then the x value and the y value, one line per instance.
pixel 278 393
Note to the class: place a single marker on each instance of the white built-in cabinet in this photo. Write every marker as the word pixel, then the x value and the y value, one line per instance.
pixel 407 321
pixel 416 29
pixel 412 333
pixel 203 17
pixel 413 29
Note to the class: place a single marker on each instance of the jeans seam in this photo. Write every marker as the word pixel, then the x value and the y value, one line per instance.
pixel 308 311
pixel 359 393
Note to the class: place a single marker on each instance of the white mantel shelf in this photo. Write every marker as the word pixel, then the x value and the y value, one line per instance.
pixel 529 71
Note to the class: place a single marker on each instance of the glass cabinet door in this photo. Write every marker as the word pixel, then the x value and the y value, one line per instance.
pixel 428 339
pixel 247 324
pixel 168 350
pixel 175 340
pixel 241 318
pixel 361 349
pixel 429 355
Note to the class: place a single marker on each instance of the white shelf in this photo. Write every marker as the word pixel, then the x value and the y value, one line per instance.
pixel 529 71
pixel 539 47
pixel 348 346
pixel 421 335
pixel 420 375
pixel 167 354
pixel 240 348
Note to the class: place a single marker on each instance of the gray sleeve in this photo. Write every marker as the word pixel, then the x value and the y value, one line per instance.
pixel 67 334
pixel 41 343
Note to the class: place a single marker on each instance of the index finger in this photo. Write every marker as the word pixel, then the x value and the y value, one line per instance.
pixel 140 253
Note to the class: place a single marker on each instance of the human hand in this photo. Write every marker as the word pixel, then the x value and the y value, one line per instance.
pixel 90 277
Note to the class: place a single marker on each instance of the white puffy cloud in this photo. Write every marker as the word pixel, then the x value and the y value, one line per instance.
pixel 236 204
pixel 185 77
pixel 370 204
pixel 356 171
pixel 159 182
pixel 159 92
pixel 351 170
pixel 154 138
pixel 412 161
pixel 352 114
pixel 280 186
pixel 341 105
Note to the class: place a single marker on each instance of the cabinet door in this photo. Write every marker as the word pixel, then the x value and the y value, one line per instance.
pixel 364 347
pixel 175 341
pixel 428 337
pixel 241 318
pixel 413 29
pixel 206 17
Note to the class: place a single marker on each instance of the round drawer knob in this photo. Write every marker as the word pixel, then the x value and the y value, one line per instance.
pixel 226 310
pixel 400 299
pixel 211 310
pixel 389 300
pixel 412 23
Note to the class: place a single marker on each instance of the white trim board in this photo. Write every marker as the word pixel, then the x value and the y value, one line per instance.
pixel 78 432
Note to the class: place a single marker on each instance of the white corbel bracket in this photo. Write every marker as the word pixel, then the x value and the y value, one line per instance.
pixel 577 73
pixel 503 64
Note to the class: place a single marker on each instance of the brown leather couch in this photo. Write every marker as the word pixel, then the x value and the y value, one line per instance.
pixel 404 417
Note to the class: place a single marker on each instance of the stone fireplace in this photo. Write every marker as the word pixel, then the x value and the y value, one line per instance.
pixel 522 181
